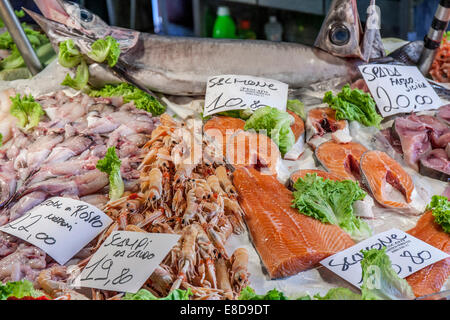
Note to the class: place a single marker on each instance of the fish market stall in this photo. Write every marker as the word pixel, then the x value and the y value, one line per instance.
pixel 144 167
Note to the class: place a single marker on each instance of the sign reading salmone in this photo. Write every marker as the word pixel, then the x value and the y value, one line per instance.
pixel 407 253
pixel 59 226
pixel 126 260
pixel 239 92
pixel 399 89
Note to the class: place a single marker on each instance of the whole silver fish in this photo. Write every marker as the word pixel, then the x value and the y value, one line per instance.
pixel 181 66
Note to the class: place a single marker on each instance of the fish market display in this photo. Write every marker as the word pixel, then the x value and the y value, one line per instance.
pixel 287 242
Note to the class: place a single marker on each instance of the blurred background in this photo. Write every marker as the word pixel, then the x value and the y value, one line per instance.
pixel 287 20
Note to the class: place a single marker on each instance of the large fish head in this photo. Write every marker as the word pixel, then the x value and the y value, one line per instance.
pixel 72 18
pixel 342 35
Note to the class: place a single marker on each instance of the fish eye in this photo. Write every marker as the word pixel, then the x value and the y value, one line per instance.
pixel 85 15
pixel 339 34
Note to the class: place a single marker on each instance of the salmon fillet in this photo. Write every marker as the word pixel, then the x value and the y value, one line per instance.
pixel 381 173
pixel 341 158
pixel 221 128
pixel 430 279
pixel 287 242
pixel 298 127
pixel 246 148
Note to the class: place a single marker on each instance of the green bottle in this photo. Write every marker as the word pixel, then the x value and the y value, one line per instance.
pixel 224 26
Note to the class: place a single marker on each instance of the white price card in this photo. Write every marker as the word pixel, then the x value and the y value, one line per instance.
pixel 399 89
pixel 125 260
pixel 237 92
pixel 59 226
pixel 407 253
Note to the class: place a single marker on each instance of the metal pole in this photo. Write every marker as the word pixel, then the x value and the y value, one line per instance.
pixel 20 39
pixel 433 39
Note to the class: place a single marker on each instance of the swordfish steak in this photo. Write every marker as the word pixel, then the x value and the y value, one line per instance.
pixel 287 241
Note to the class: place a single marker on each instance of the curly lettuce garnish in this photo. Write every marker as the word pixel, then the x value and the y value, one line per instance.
pixel 297 107
pixel 249 294
pixel 69 56
pixel 26 110
pixel 331 202
pixel 19 290
pixel 141 99
pixel 274 123
pixel 110 164
pixel 81 79
pixel 380 281
pixel 440 206
pixel 144 294
pixel 339 294
pixel 106 49
pixel 354 105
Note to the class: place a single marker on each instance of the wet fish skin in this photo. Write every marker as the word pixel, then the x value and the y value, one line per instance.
pixel 181 65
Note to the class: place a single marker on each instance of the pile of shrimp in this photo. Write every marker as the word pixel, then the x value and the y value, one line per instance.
pixel 440 68
pixel 178 194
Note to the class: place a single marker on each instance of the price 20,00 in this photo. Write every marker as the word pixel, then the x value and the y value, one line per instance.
pixel 402 101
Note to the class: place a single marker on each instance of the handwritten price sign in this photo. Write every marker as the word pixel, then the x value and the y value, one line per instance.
pixel 237 92
pixel 399 89
pixel 125 260
pixel 407 253
pixel 59 226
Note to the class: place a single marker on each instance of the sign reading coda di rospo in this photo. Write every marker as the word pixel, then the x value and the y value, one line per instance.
pixel 59 226
pixel 238 92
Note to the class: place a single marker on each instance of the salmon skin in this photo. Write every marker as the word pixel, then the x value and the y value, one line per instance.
pixel 321 126
pixel 287 241
pixel 391 186
pixel 430 279
pixel 341 159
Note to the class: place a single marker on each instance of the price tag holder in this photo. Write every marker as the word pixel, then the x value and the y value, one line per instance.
pixel 407 253
pixel 238 92
pixel 399 89
pixel 59 226
pixel 125 260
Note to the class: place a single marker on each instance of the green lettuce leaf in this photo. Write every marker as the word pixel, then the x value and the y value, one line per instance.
pixel 249 294
pixel 339 294
pixel 331 202
pixel 105 49
pixel 354 105
pixel 440 206
pixel 110 164
pixel 26 110
pixel 1 140
pixel 141 99
pixel 144 294
pixel 69 56
pixel 274 123
pixel 297 107
pixel 19 289
pixel 81 77
pixel 380 281
pixel 18 13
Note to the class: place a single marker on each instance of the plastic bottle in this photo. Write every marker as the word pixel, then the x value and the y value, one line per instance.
pixel 244 30
pixel 273 29
pixel 224 26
